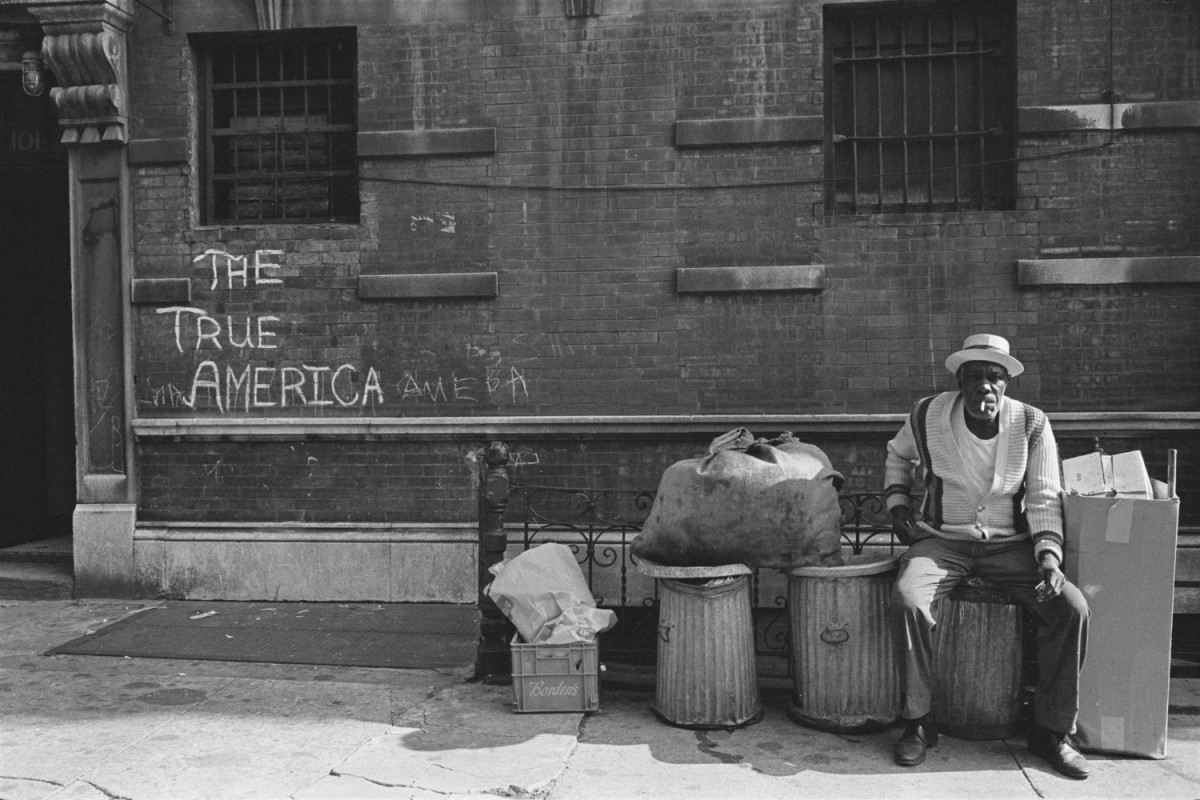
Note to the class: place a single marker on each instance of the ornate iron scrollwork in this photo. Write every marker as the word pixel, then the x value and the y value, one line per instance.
pixel 599 525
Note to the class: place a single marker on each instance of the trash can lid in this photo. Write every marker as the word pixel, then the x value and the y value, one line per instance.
pixel 855 565
pixel 652 570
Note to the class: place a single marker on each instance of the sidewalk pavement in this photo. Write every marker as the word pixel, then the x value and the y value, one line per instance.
pixel 99 728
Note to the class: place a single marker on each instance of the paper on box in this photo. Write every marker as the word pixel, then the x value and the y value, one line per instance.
pixel 1123 474
pixel 1120 552
pixel 1130 478
pixel 1085 474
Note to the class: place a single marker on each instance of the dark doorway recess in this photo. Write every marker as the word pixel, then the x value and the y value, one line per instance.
pixel 37 428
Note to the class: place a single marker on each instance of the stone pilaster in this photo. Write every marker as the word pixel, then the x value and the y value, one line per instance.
pixel 84 44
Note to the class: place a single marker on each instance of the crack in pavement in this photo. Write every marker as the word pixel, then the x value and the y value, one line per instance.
pixel 1012 752
pixel 31 780
pixel 103 790
pixel 510 791
pixel 374 782
pixel 419 721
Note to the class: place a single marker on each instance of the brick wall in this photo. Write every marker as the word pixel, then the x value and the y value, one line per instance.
pixel 308 481
pixel 163 74
pixel 1064 51
pixel 1133 196
pixel 586 210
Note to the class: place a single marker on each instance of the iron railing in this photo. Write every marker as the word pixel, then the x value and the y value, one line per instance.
pixel 599 526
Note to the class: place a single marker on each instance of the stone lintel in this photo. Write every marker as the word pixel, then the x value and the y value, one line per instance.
pixel 1160 115
pixel 1094 271
pixel 1103 117
pixel 806 277
pixel 408 144
pixel 748 131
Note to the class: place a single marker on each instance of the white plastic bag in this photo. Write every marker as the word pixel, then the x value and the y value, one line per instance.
pixel 544 593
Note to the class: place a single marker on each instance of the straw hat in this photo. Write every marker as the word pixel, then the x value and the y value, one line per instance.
pixel 985 347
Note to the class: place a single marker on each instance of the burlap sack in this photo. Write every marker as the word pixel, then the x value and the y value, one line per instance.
pixel 748 501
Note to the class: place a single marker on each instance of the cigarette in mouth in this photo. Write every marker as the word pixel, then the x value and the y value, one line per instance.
pixel 983 405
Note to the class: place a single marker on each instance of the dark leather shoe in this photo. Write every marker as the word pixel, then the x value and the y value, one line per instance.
pixel 1059 752
pixel 919 734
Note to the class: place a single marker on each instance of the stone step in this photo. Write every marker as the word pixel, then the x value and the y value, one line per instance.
pixel 36 581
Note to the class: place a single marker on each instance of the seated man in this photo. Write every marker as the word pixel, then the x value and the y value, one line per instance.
pixel 992 509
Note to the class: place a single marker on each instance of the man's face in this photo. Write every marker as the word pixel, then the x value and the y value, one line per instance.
pixel 982 384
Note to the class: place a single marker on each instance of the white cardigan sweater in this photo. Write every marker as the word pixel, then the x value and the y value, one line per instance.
pixel 1025 489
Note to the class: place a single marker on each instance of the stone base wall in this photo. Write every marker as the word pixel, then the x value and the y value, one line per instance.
pixel 387 564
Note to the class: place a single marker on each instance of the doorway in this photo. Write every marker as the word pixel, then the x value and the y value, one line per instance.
pixel 37 396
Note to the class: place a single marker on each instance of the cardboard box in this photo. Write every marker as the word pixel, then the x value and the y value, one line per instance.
pixel 555 677
pixel 1120 552
pixel 1122 475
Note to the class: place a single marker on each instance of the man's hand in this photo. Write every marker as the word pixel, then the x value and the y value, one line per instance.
pixel 1052 578
pixel 904 527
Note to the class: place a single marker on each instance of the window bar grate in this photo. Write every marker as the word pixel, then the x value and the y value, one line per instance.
pixel 306 138
pixel 981 145
pixel 959 55
pixel 831 161
pixel 209 148
pixel 954 93
pixel 904 115
pixel 232 143
pixel 273 146
pixel 875 61
pixel 855 170
pixel 327 140
pixel 948 135
pixel 258 99
pixel 929 115
pixel 878 119
pixel 280 186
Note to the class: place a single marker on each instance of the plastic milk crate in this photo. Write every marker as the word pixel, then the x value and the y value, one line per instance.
pixel 556 677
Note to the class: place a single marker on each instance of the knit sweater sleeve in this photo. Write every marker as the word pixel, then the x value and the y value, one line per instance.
pixel 903 457
pixel 1043 488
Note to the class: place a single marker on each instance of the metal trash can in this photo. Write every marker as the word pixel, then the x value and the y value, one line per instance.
pixel 979 662
pixel 707 674
pixel 845 675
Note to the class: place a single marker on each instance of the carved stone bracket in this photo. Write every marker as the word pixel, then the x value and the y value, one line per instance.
pixel 91 104
pixel 84 44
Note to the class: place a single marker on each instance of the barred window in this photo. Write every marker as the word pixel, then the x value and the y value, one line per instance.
pixel 280 129
pixel 920 106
